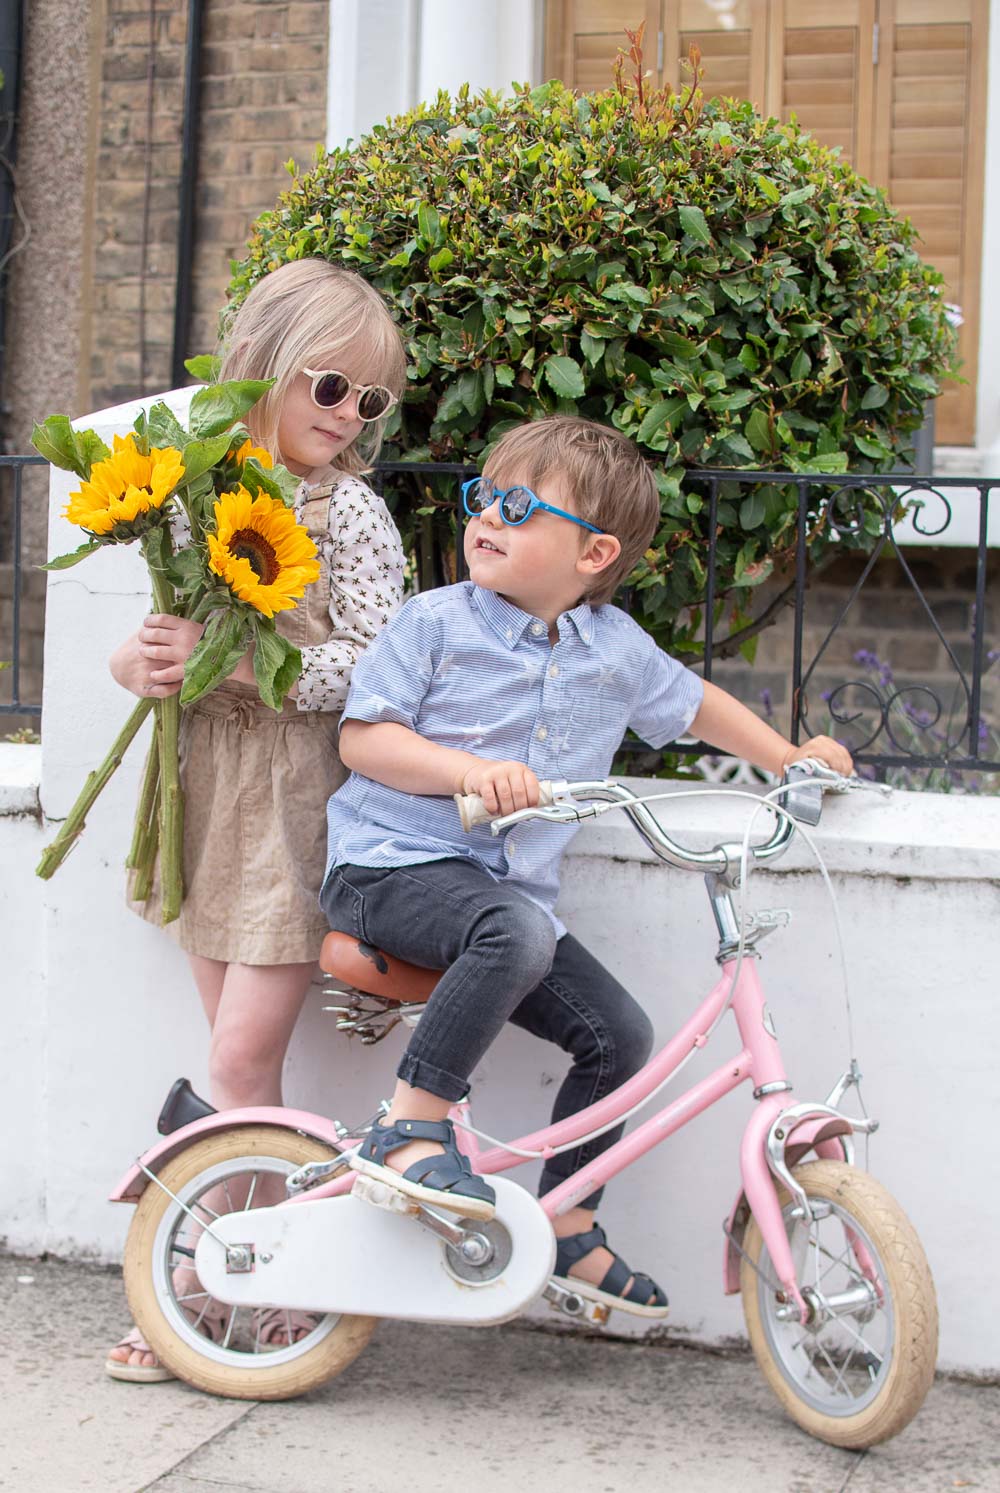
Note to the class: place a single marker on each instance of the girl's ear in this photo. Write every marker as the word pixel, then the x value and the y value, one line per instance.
pixel 598 553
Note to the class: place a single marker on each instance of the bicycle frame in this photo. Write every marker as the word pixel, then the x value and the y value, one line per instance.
pixel 759 1060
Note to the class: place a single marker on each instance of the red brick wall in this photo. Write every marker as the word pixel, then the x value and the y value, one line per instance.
pixel 262 100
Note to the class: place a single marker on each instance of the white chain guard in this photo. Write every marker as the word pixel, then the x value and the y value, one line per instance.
pixel 343 1255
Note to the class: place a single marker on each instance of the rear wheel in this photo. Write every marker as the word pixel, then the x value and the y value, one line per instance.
pixel 215 1347
pixel 858 1371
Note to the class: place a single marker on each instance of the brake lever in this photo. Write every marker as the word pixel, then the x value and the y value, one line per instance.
pixel 555 813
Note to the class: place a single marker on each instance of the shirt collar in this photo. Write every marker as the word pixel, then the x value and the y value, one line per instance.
pixel 510 623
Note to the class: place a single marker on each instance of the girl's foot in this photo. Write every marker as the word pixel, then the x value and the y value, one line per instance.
pixel 277 1327
pixel 426 1164
pixel 134 1361
pixel 585 1264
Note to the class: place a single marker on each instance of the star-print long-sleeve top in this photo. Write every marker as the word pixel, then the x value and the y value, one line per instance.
pixel 363 556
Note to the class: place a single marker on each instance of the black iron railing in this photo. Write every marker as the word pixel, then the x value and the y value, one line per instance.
pixel 11 552
pixel 890 727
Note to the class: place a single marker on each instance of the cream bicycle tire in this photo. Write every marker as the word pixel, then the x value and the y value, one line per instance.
pixel 261 1381
pixel 909 1301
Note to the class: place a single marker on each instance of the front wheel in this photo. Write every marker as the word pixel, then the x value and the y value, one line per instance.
pixel 227 1350
pixel 857 1372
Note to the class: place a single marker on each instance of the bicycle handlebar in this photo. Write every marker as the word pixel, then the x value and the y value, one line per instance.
pixel 805 782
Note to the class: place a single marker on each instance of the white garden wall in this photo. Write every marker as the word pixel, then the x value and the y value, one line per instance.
pixel 100 1015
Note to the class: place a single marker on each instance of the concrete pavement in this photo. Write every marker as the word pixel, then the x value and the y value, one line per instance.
pixel 424 1407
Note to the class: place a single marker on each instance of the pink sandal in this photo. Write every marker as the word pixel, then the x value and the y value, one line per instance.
pixel 212 1322
pixel 136 1373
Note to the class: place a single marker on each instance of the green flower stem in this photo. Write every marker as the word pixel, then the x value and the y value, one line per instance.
pixel 148 805
pixel 54 854
pixel 168 713
pixel 142 884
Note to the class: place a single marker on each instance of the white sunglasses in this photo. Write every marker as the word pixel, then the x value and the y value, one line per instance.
pixel 330 387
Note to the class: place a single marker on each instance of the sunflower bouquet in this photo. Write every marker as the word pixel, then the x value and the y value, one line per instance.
pixel 212 515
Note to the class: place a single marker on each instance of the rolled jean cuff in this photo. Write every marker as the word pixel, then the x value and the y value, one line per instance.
pixel 548 1180
pixel 422 1075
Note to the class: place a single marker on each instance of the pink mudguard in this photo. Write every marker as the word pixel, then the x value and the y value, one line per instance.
pixel 135 1181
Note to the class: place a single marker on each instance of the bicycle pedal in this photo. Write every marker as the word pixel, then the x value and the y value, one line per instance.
pixel 572 1304
pixel 381 1195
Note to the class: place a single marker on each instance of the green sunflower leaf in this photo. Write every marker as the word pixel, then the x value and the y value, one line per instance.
pixel 204 368
pixel 63 562
pixel 276 664
pixel 218 407
pixel 199 456
pixel 53 439
pixel 278 482
pixel 215 655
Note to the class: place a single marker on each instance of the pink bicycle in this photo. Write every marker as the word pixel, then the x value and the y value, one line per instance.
pixel 837 1295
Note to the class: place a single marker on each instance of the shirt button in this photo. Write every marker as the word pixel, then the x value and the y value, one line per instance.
pixel 510 850
pixel 510 632
pixel 541 733
pixel 553 671
pixel 537 627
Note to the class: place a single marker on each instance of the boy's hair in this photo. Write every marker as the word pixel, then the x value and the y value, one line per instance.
pixel 609 482
pixel 312 314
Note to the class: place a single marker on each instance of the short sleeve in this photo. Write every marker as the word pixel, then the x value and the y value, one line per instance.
pixel 669 696
pixel 393 675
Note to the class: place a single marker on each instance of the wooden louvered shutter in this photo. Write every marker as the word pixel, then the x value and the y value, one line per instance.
pixel 732 42
pixel 929 132
pixel 820 68
pixel 583 38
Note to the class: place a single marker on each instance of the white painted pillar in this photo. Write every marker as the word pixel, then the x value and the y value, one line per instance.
pixel 387 55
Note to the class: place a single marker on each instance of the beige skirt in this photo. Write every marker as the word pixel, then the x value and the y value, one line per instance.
pixel 255 791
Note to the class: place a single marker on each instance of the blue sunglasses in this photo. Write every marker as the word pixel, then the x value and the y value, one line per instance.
pixel 517 504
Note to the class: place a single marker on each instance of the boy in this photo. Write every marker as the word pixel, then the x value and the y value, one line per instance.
pixel 520 673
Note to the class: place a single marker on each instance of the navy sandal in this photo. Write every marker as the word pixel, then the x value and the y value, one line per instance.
pixel 643 1298
pixel 444 1181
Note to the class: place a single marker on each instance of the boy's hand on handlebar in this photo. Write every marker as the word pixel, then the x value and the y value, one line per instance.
pixel 502 786
pixel 826 749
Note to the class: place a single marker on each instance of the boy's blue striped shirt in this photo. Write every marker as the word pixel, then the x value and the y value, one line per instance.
pixel 466 669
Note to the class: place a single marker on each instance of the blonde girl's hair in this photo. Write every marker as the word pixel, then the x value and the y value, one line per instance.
pixel 605 476
pixel 312 314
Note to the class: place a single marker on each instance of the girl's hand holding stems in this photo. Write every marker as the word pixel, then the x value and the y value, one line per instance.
pixel 151 662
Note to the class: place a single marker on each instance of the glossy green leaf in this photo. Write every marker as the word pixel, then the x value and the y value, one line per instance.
pixel 564 377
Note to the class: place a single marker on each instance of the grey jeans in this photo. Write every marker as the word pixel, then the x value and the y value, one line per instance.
pixel 502 962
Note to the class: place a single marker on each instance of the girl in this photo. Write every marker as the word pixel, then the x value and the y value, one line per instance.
pixel 256 784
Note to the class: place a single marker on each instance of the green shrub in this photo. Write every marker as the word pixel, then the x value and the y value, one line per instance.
pixel 718 286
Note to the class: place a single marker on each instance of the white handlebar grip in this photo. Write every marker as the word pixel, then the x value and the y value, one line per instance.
pixel 472 810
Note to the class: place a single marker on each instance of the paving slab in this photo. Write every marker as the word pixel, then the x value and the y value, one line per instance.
pixel 499 1409
pixel 65 1427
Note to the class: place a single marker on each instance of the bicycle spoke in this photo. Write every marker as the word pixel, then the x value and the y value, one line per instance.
pixel 229 1198
pixel 229 1329
pixel 191 1296
pixel 253 1189
pixel 845 1324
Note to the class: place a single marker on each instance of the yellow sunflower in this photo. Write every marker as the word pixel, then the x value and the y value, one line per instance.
pixel 247 450
pixel 261 551
pixel 124 488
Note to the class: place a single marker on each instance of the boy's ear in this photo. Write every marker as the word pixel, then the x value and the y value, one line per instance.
pixel 600 551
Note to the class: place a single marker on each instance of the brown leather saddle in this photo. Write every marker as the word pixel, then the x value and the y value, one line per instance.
pixel 383 990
